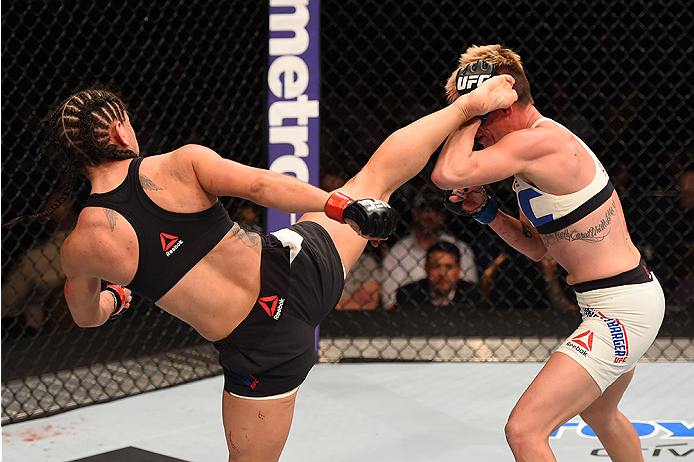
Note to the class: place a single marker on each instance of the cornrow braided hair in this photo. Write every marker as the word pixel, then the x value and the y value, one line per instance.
pixel 77 135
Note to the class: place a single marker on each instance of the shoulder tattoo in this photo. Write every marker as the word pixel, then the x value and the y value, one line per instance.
pixel 148 184
pixel 111 216
pixel 595 233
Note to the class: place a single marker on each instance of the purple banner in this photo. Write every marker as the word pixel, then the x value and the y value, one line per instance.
pixel 293 83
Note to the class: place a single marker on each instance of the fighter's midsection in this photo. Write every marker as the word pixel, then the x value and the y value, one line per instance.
pixel 596 246
pixel 219 291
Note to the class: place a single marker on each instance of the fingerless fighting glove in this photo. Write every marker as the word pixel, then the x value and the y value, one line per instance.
pixel 373 217
pixel 119 299
pixel 471 76
pixel 484 214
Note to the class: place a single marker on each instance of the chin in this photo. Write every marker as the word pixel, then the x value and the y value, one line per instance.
pixel 486 142
pixel 483 139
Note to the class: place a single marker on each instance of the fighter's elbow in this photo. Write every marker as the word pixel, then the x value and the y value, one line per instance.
pixel 85 321
pixel 84 316
pixel 443 179
pixel 84 325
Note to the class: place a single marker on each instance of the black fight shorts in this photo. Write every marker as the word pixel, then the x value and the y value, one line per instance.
pixel 301 279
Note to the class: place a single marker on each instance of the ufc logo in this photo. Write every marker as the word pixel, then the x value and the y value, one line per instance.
pixel 620 360
pixel 466 82
pixel 373 204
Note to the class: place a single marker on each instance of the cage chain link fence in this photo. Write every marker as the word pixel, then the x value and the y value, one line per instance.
pixel 613 72
pixel 194 72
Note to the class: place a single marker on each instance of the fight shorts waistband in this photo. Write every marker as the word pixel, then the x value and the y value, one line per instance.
pixel 638 275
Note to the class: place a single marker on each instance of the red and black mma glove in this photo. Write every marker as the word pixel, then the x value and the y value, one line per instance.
pixel 119 299
pixel 484 213
pixel 471 76
pixel 373 217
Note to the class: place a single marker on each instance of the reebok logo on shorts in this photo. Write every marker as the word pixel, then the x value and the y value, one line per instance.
pixel 272 306
pixel 169 243
pixel 585 340
pixel 583 343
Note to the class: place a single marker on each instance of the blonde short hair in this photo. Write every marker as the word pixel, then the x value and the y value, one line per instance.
pixel 506 60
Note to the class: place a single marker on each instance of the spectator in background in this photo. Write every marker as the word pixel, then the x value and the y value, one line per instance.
pixel 405 261
pixel 441 303
pixel 362 290
pixel 442 286
pixel 32 294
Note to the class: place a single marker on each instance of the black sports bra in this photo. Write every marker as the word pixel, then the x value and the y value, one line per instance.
pixel 170 243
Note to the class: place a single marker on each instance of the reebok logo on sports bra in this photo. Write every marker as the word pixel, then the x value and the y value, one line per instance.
pixel 169 243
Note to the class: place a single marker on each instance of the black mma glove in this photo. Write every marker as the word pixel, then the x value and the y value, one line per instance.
pixel 455 208
pixel 484 213
pixel 471 76
pixel 373 217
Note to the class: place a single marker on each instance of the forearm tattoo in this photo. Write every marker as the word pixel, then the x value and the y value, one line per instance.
pixel 527 232
pixel 595 233
pixel 111 217
pixel 148 184
pixel 248 239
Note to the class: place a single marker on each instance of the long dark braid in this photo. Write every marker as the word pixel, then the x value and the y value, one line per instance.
pixel 76 134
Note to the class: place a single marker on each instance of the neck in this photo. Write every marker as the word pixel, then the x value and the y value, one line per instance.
pixel 107 175
pixel 440 296
pixel 530 116
pixel 425 239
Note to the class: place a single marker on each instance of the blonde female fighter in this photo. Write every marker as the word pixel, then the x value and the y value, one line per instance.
pixel 570 209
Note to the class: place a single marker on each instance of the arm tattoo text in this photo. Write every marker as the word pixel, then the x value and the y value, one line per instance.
pixel 595 233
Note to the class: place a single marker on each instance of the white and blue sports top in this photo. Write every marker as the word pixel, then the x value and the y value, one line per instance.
pixel 549 213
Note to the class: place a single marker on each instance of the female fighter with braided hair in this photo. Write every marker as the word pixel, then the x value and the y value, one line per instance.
pixel 79 151
pixel 154 225
pixel 570 209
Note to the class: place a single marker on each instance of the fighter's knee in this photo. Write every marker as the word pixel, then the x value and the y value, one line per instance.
pixel 600 416
pixel 522 437
pixel 516 434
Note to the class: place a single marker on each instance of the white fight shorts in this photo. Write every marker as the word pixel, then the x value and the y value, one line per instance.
pixel 620 322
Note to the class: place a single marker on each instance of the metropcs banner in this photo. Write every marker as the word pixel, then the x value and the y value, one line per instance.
pixel 293 83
